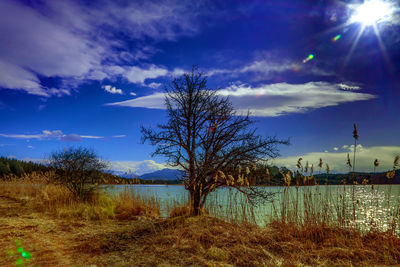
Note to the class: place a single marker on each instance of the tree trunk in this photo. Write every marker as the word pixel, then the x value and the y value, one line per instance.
pixel 195 202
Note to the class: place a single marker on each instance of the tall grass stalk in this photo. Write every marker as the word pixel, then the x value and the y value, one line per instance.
pixel 54 199
pixel 333 206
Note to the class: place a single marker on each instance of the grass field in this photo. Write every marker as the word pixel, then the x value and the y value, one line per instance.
pixel 126 230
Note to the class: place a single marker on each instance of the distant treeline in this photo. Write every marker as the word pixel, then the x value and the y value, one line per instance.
pixel 13 168
pixel 257 176
pixel 18 167
pixel 262 174
pixel 358 177
pixel 274 177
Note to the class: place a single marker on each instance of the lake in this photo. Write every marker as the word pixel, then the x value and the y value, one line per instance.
pixel 362 206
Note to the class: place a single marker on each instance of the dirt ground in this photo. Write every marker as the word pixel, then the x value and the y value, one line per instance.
pixel 66 242
pixel 61 242
pixel 179 241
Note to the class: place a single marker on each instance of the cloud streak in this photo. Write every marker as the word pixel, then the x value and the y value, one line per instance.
pixel 266 66
pixel 48 135
pixel 270 100
pixel 119 136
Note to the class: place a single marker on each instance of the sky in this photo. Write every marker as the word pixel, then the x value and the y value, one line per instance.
pixel 90 73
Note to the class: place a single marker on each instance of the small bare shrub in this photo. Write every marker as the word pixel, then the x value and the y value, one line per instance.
pixel 77 169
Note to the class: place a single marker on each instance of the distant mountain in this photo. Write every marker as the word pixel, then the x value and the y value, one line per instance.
pixel 123 174
pixel 164 174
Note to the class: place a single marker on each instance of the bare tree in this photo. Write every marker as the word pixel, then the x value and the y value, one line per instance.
pixel 207 139
pixel 77 169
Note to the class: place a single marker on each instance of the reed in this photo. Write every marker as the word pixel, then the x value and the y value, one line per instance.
pixel 35 191
pixel 344 206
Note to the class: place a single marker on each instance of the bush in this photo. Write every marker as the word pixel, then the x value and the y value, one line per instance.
pixel 77 169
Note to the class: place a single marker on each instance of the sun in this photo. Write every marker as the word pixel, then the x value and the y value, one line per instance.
pixel 369 14
pixel 372 12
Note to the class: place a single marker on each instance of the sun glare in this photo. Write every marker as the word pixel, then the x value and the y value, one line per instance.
pixel 372 12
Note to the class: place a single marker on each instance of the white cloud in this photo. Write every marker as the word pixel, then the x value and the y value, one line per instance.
pixel 132 93
pixel 154 101
pixel 112 89
pixel 351 147
pixel 336 148
pixel 137 167
pixel 56 134
pixel 67 39
pixel 37 44
pixel 154 85
pixel 15 77
pixel 337 161
pixel 91 136
pixel 119 136
pixel 179 72
pixel 139 75
pixel 31 147
pixel 266 65
pixel 283 98
pixel 348 87
pixel 269 100
pixel 23 136
pixel 326 151
pixel 359 147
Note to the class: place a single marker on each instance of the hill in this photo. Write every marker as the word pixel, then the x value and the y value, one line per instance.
pixel 164 174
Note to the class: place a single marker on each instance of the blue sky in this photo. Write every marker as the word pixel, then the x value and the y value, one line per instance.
pixel 90 73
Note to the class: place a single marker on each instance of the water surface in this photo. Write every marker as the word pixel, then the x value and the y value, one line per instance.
pixel 365 207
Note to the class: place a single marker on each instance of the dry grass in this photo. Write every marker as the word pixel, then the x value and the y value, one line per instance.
pixel 344 207
pixel 179 211
pixel 60 202
pixel 212 241
pixel 184 241
pixel 334 246
pixel 125 230
pixel 129 205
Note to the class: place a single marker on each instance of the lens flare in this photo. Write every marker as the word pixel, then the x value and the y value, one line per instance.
pixel 310 57
pixel 337 37
pixel 19 262
pixel 26 254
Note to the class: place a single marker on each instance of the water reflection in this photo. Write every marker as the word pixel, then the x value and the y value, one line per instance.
pixel 361 206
